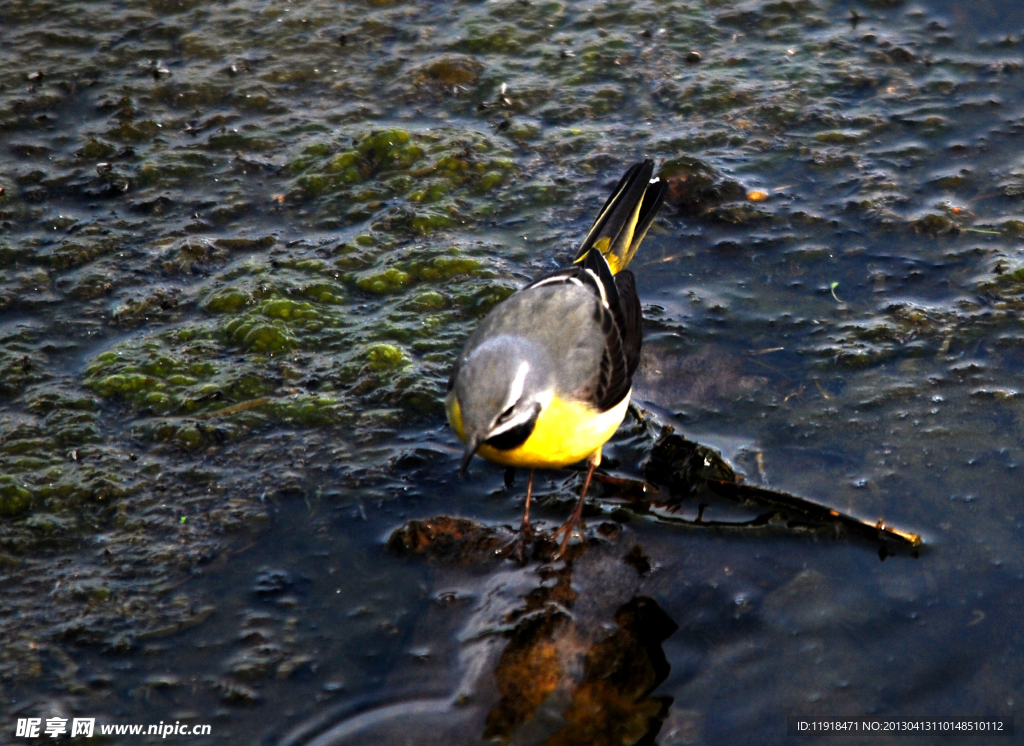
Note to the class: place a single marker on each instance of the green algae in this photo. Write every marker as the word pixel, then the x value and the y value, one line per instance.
pixel 269 338
pixel 388 281
pixel 405 273
pixel 324 292
pixel 383 357
pixel 15 498
pixel 418 168
pixel 430 300
pixel 183 372
pixel 227 300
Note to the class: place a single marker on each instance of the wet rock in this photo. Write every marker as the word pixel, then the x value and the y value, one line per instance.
pixel 194 256
pixel 254 664
pixel 163 682
pixel 694 187
pixel 295 663
pixel 233 693
pixel 454 71
pixel 19 368
pixel 15 498
pixel 245 244
pixel 457 540
pixel 934 224
pixel 608 700
pixel 272 582
pixel 160 305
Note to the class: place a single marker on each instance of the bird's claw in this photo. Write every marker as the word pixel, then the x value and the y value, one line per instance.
pixel 571 526
pixel 516 548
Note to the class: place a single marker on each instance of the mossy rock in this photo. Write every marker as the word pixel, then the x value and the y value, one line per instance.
pixel 428 301
pixel 125 385
pixel 268 338
pixel 935 224
pixel 15 498
pixel 455 70
pixel 432 193
pixel 381 357
pixel 442 268
pixel 309 411
pixel 384 283
pixel 391 149
pixel 324 292
pixel 286 309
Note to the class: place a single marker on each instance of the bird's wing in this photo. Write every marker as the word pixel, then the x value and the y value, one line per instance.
pixel 632 329
pixel 617 315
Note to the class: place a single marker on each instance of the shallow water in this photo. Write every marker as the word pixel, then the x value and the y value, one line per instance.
pixel 240 244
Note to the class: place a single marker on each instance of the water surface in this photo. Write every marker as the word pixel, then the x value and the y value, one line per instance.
pixel 240 244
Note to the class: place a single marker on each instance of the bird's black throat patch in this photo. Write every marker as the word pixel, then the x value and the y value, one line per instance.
pixel 516 436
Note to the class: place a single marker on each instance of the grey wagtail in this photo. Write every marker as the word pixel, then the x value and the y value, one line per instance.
pixel 545 380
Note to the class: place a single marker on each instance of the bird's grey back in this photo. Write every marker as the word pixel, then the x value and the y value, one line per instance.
pixel 561 319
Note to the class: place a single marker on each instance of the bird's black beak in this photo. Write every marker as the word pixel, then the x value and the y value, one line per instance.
pixel 471 445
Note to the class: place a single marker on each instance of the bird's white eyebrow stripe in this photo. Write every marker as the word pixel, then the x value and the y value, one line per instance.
pixel 516 389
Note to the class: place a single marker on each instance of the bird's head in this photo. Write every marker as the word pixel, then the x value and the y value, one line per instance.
pixel 501 387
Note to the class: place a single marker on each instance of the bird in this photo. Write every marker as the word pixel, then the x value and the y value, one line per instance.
pixel 545 379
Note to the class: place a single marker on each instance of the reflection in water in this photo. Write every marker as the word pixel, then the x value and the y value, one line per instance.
pixel 611 705
pixel 570 656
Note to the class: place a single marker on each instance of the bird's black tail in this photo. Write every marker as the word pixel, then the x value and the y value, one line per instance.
pixel 623 221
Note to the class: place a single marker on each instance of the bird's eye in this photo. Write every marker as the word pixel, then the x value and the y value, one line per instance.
pixel 504 416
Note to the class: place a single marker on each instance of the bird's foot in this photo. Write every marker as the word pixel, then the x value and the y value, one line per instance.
pixel 572 526
pixel 575 521
pixel 516 549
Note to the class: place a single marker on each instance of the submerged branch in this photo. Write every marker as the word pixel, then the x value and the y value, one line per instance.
pixel 688 470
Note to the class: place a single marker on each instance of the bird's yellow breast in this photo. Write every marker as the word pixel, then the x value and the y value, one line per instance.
pixel 566 432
